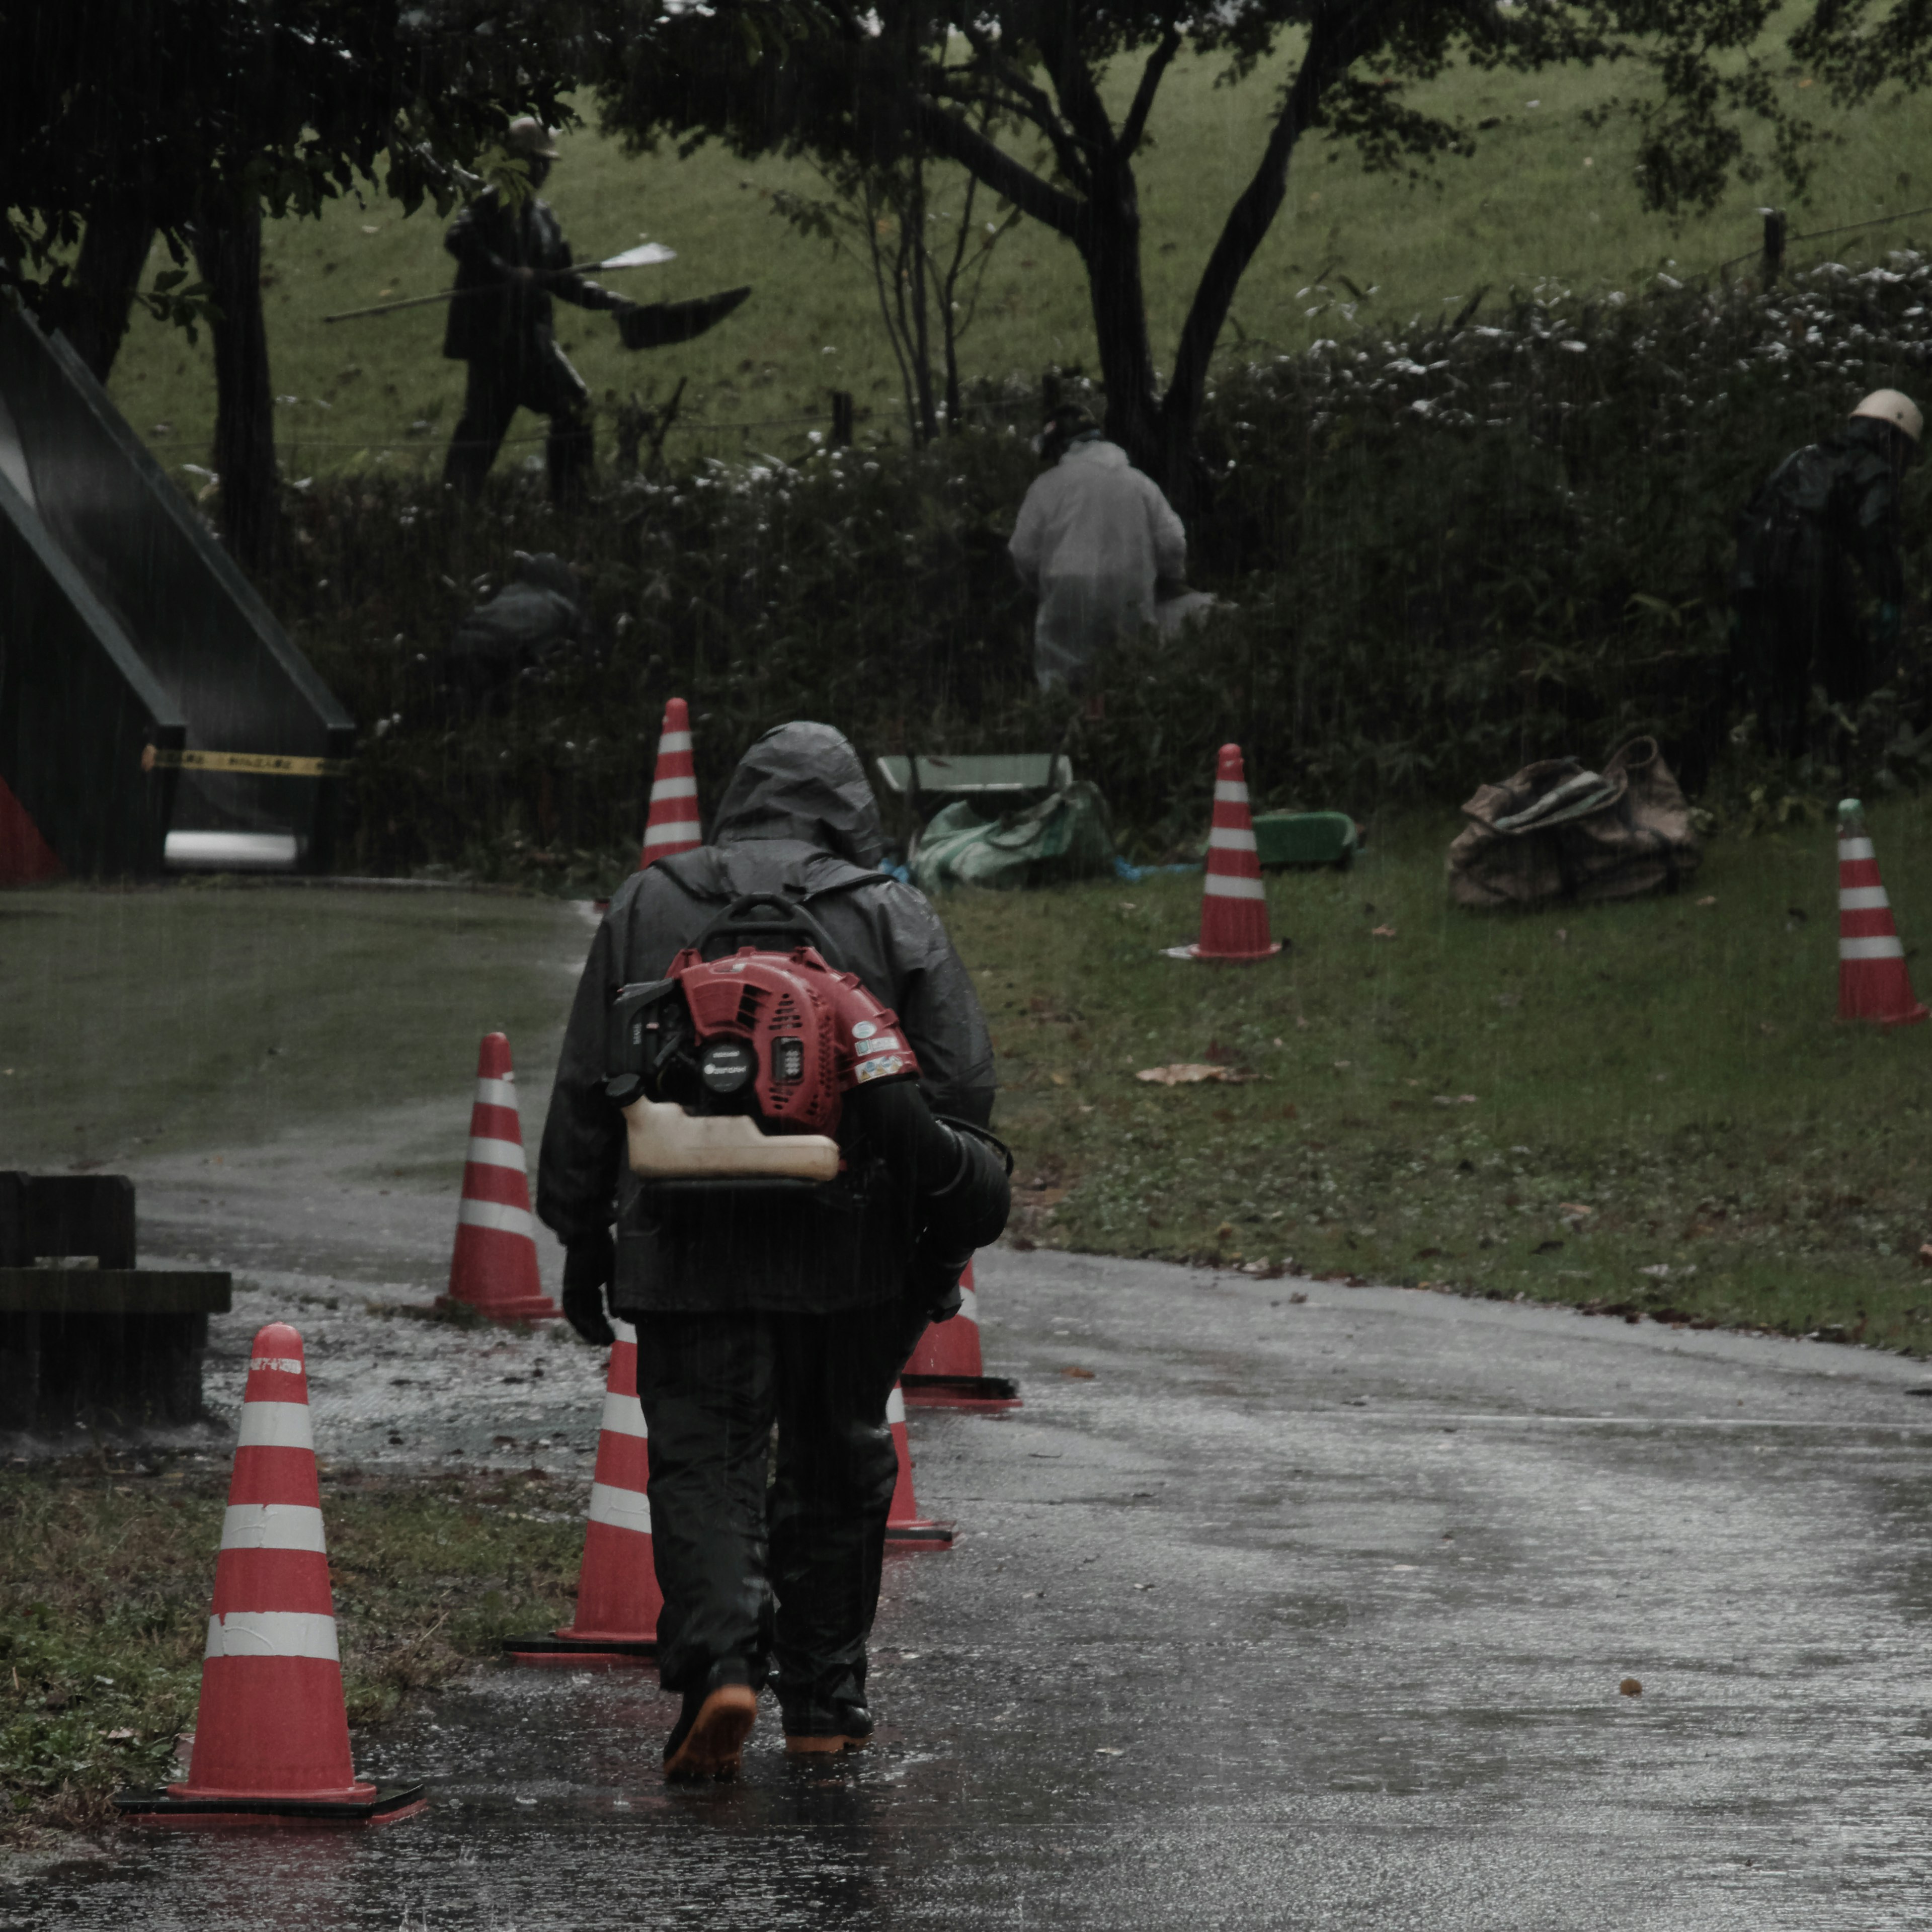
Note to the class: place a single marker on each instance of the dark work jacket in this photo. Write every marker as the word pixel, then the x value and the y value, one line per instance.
pixel 490 316
pixel 1827 507
pixel 798 817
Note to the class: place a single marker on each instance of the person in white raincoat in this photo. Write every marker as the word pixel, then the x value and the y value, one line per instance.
pixel 1094 536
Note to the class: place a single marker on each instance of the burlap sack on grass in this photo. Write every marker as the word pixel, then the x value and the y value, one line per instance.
pixel 1557 833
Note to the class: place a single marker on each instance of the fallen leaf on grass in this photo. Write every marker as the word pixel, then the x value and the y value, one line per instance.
pixel 1710 898
pixel 1383 932
pixel 1185 1073
pixel 1925 1254
pixel 1078 1374
pixel 119 1737
pixel 1455 1099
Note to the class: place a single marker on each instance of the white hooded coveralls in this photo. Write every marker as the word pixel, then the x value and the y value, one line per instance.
pixel 1092 536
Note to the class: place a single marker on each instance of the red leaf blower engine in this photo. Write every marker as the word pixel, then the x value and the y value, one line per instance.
pixel 763 1069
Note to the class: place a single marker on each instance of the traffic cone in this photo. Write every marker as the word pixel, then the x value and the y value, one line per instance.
pixel 905 1528
pixel 493 1269
pixel 946 1371
pixel 672 826
pixel 272 1736
pixel 1873 982
pixel 1234 902
pixel 617 1596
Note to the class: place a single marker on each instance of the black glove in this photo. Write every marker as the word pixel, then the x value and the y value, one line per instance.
pixel 589 1263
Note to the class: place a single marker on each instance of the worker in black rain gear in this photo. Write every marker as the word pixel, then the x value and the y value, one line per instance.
pixel 804 1315
pixel 1827 514
pixel 511 259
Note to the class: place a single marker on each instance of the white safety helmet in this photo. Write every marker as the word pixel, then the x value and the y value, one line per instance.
pixel 1901 411
pixel 528 135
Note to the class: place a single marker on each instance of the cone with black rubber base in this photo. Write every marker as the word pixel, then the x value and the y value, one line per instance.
pixel 272 1736
pixel 905 1528
pixel 946 1370
pixel 617 1596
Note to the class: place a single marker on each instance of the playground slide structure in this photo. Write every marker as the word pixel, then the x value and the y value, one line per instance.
pixel 154 715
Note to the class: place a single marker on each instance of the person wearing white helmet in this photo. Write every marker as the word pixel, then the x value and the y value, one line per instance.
pixel 511 259
pixel 1828 515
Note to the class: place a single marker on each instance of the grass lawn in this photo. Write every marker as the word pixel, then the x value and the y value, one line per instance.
pixel 1545 196
pixel 106 1570
pixel 160 1019
pixel 1649 1105
pixel 1658 1085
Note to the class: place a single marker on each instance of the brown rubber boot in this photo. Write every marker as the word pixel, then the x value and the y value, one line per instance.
pixel 709 1740
pixel 818 1728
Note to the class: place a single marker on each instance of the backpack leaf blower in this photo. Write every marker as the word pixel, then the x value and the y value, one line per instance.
pixel 766 1069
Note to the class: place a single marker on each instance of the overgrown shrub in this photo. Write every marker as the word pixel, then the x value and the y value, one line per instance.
pixel 1445 552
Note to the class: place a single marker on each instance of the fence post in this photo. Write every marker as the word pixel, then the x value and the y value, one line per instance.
pixel 842 419
pixel 1773 247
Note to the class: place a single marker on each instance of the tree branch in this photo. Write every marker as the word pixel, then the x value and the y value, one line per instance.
pixel 956 138
pixel 1073 82
pixel 1032 103
pixel 1341 33
pixel 1135 126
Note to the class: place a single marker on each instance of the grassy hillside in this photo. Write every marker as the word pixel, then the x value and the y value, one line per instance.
pixel 1545 196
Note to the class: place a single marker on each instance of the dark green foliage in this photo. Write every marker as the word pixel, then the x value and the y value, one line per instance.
pixel 1446 555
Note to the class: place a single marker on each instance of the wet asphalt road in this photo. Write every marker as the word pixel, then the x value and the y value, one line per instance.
pixel 1293 1615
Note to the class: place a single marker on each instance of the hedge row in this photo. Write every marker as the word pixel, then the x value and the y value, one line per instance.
pixel 1443 553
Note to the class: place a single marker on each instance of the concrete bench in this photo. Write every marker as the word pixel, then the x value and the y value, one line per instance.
pixel 86 1336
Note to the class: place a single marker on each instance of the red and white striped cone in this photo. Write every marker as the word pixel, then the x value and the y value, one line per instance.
pixel 1873 982
pixel 1234 902
pixel 272 1737
pixel 905 1528
pixel 617 1596
pixel 946 1371
pixel 672 826
pixel 493 1269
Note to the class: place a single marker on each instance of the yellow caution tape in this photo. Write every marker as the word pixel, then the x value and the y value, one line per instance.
pixel 269 763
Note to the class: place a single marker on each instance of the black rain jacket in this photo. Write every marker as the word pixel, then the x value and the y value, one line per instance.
pixel 1825 507
pixel 798 818
pixel 491 317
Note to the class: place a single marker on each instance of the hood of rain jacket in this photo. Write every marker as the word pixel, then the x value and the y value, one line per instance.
pixel 803 781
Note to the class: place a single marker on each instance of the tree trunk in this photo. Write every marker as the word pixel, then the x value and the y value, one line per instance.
pixel 1340 37
pixel 917 261
pixel 228 246
pixel 1109 239
pixel 91 311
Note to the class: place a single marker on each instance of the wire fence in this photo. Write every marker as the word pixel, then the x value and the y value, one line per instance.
pixel 432 439
pixel 1776 241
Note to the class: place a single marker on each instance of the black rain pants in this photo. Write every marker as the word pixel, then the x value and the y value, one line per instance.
pixel 539 377
pixel 1789 639
pixel 788 1575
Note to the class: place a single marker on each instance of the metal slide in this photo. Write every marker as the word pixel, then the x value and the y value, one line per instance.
pixel 153 714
